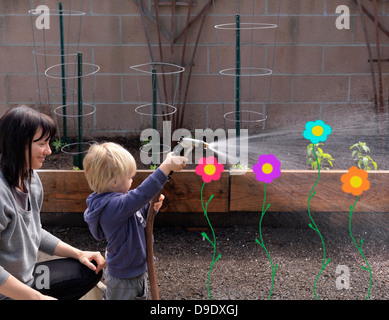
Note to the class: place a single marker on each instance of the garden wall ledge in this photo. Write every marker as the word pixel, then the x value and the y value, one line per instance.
pixel 66 191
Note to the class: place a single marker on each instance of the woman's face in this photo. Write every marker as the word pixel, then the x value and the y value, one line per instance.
pixel 39 150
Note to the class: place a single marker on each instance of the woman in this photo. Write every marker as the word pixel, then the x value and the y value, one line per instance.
pixel 25 135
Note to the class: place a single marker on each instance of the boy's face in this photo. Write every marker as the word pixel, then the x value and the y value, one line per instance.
pixel 123 185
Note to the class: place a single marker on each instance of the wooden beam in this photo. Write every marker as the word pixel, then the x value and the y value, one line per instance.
pixel 289 193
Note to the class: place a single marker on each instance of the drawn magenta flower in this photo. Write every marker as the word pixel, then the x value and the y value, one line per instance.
pixel 209 169
pixel 316 131
pixel 267 168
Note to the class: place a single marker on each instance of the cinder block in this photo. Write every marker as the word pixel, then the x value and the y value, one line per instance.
pixel 226 7
pixel 320 88
pixel 296 7
pixel 118 59
pixel 14 7
pixel 108 88
pixel 359 34
pixel 291 116
pixel 22 89
pixel 117 7
pixel 321 30
pixel 117 118
pixel 361 88
pixel 346 59
pixel 16 59
pixel 100 30
pixel 208 89
pixel 3 86
pixel 297 59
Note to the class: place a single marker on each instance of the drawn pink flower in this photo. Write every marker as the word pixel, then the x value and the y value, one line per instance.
pixel 267 168
pixel 209 169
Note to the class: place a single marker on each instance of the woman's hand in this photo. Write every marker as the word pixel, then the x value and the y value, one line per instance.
pixel 85 257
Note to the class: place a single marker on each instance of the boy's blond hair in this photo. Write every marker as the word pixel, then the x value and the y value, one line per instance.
pixel 106 162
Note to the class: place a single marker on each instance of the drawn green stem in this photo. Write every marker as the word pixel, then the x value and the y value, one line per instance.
pixel 314 227
pixel 360 248
pixel 206 237
pixel 261 243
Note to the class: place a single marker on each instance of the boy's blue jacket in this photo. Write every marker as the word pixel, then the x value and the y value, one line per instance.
pixel 120 219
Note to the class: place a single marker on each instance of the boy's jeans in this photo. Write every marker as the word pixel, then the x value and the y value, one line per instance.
pixel 126 289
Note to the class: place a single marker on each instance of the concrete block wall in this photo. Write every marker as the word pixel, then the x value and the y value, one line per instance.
pixel 319 71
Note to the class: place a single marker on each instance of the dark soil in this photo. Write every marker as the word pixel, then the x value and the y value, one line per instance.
pixel 183 260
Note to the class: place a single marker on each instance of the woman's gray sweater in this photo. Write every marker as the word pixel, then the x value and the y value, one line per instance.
pixel 21 233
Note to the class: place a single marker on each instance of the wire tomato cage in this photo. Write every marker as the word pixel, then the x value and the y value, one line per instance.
pixel 157 109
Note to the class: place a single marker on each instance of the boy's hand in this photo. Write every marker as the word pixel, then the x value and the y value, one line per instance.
pixel 158 204
pixel 173 163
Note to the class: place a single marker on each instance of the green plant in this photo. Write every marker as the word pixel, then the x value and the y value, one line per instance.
pixel 58 144
pixel 240 166
pixel 144 142
pixel 324 159
pixel 360 155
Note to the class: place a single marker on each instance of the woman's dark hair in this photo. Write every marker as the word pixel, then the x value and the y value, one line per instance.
pixel 17 129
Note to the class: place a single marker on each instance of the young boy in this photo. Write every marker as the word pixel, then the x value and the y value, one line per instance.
pixel 118 215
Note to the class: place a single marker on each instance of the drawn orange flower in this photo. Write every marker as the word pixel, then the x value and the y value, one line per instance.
pixel 355 181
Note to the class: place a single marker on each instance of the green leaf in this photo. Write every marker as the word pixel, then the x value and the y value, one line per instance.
pixel 365 148
pixel 205 236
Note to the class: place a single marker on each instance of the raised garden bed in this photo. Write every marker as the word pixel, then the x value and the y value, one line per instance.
pixel 67 190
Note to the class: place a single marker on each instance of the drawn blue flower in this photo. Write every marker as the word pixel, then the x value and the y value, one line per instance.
pixel 316 131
